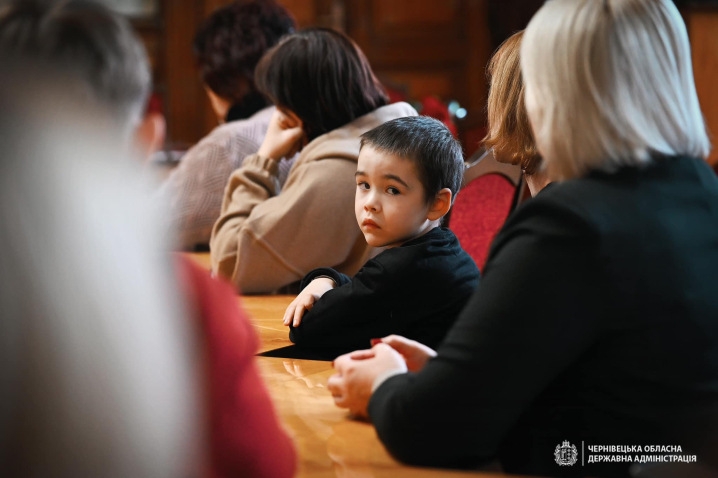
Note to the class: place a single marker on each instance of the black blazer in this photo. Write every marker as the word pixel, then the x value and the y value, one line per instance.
pixel 416 290
pixel 596 323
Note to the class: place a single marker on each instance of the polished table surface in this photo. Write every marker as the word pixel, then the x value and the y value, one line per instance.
pixel 265 311
pixel 328 441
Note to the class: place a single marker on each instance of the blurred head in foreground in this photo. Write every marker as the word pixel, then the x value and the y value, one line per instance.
pixel 96 363
pixel 98 48
pixel 97 369
pixel 510 137
pixel 609 84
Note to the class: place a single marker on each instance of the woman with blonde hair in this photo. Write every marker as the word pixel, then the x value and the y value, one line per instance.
pixel 595 323
pixel 510 138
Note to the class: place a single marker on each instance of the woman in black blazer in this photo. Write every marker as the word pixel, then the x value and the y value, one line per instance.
pixel 596 323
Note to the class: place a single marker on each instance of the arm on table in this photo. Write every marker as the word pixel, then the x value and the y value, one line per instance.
pixel 349 315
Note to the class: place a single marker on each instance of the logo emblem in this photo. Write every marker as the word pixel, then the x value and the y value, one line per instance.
pixel 566 454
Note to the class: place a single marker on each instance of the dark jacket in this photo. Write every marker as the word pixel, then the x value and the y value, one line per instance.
pixel 416 290
pixel 596 323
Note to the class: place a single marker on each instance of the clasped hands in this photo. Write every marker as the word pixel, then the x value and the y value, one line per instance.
pixel 352 384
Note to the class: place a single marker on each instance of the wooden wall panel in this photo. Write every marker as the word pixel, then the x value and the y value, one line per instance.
pixel 168 39
pixel 414 13
pixel 429 48
pixel 419 84
pixel 426 47
pixel 703 25
pixel 185 98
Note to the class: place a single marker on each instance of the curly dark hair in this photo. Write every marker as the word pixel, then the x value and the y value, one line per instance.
pixel 231 41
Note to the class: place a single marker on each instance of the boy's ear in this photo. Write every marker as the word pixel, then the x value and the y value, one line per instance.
pixel 441 205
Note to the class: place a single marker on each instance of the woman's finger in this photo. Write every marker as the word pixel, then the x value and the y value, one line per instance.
pixel 335 385
pixel 343 363
pixel 400 344
pixel 362 354
pixel 293 135
pixel 292 119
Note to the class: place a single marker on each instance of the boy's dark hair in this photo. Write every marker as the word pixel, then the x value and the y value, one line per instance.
pixel 83 40
pixel 323 77
pixel 428 143
pixel 231 41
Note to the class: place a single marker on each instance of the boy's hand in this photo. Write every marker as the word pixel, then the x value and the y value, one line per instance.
pixel 285 137
pixel 306 299
pixel 416 354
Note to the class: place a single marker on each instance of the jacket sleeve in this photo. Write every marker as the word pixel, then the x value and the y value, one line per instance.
pixel 349 315
pixel 338 278
pixel 536 310
pixel 263 241
pixel 246 438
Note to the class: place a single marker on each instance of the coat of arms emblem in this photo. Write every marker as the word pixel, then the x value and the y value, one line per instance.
pixel 566 454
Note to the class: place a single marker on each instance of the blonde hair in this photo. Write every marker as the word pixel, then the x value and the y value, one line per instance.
pixel 510 133
pixel 610 84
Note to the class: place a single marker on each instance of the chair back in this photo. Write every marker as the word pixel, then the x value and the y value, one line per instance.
pixel 483 162
pixel 479 212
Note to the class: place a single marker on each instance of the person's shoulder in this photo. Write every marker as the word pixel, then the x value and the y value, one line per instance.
pixel 254 127
pixel 343 143
pixel 436 250
pixel 560 208
pixel 610 200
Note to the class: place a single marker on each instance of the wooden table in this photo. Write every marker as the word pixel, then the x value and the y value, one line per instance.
pixel 266 311
pixel 329 443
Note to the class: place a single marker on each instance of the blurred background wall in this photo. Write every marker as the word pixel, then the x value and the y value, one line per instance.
pixel 419 48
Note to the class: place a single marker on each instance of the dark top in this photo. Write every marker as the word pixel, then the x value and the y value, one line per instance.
pixel 246 107
pixel 596 322
pixel 416 290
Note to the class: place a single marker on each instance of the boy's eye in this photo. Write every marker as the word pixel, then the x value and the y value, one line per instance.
pixel 393 191
pixel 363 185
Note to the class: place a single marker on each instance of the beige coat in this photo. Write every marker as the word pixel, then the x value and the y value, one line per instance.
pixel 265 239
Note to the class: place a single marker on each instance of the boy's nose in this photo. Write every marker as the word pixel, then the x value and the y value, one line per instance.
pixel 371 206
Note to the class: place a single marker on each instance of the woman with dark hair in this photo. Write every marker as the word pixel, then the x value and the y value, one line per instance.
pixel 228 46
pixel 326 97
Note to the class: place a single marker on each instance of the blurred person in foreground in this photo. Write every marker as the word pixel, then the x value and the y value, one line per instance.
pixel 97 368
pixel 595 323
pixel 227 47
pixel 106 71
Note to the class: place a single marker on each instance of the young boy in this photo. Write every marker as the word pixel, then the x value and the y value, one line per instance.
pixel 409 171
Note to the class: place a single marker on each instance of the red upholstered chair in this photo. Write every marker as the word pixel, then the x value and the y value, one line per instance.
pixel 482 206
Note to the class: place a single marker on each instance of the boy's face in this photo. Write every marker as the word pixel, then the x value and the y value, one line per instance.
pixel 390 206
